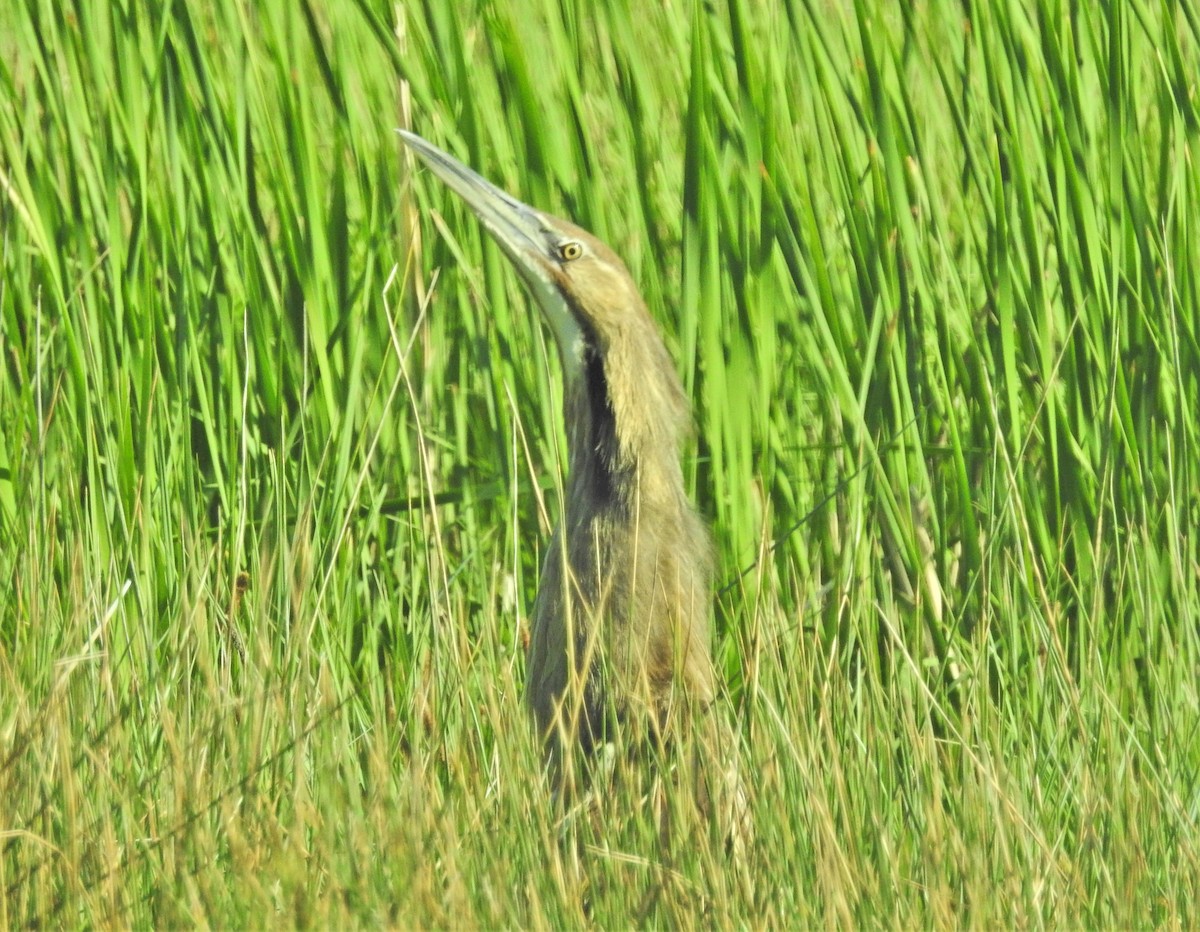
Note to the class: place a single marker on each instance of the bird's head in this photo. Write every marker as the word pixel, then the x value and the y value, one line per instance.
pixel 582 287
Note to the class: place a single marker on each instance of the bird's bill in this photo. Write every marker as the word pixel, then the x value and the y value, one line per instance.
pixel 515 226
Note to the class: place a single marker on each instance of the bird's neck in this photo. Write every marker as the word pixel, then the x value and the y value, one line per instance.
pixel 625 414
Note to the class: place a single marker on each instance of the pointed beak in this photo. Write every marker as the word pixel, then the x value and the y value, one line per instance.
pixel 516 227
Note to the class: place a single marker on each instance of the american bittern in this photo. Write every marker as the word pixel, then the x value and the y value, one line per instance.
pixel 620 638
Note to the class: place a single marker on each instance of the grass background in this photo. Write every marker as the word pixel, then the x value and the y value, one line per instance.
pixel 280 439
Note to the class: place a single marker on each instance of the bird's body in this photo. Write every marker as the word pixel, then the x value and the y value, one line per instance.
pixel 620 641
pixel 623 604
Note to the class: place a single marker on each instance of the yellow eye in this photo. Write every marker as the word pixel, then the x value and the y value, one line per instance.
pixel 570 250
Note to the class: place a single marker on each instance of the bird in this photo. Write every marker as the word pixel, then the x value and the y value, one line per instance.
pixel 620 644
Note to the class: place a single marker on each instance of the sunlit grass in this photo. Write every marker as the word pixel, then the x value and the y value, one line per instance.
pixel 280 439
